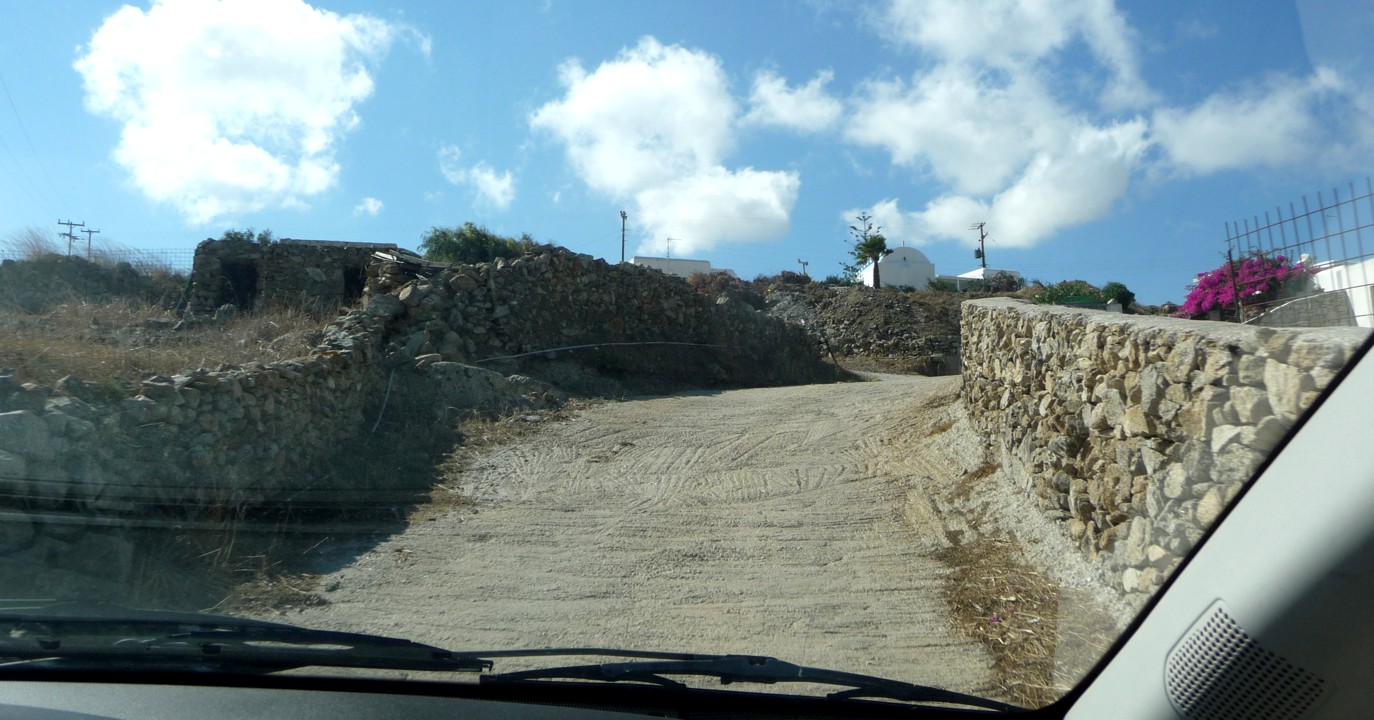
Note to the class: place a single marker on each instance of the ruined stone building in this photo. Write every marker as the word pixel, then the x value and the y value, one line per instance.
pixel 249 274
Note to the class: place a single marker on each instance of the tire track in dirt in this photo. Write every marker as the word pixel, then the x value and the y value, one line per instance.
pixel 764 521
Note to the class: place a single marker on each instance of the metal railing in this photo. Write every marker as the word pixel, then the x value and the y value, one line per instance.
pixel 1334 236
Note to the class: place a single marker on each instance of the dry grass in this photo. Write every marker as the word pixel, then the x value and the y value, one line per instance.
pixel 1013 610
pixel 121 343
pixel 28 244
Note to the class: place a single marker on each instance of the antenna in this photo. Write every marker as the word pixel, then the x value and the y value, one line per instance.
pixel 981 253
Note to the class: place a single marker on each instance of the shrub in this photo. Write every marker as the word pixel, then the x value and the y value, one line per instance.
pixel 786 277
pixel 1252 279
pixel 1069 292
pixel 1079 292
pixel 471 244
pixel 942 285
pixel 1118 293
pixel 1005 282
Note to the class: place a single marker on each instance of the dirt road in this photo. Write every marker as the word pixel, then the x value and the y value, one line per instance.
pixel 768 521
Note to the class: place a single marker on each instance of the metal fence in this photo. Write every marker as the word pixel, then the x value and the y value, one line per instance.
pixel 1334 236
pixel 175 261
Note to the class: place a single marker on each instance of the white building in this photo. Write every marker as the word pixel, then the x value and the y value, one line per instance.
pixel 1356 278
pixel 904 266
pixel 678 266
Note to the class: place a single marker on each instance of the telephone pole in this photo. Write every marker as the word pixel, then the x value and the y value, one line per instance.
pixel 803 264
pixel 89 233
pixel 71 237
pixel 981 252
pixel 623 217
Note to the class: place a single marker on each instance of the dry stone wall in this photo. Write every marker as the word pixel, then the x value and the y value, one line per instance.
pixel 642 322
pixel 1136 431
pixel 208 441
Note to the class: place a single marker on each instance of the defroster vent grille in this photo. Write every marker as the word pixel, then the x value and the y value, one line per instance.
pixel 1219 672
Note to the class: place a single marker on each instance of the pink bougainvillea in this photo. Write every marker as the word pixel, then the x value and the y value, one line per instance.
pixel 1255 279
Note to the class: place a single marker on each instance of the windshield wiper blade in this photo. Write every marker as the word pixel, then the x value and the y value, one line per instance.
pixel 747 669
pixel 111 636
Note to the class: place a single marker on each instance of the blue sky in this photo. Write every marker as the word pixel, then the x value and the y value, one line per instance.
pixel 1099 141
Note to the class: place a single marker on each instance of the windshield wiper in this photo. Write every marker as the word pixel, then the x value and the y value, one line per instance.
pixel 97 635
pixel 80 635
pixel 739 669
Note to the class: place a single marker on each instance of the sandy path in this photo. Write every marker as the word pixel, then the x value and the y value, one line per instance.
pixel 767 521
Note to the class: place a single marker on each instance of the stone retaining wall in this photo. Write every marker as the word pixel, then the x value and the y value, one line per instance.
pixel 207 442
pixel 1136 431
pixel 535 304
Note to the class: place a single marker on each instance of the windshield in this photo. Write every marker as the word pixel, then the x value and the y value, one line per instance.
pixel 913 340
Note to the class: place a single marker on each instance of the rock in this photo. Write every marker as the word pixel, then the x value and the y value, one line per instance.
pixel 1182 360
pixel 1148 580
pixel 1251 404
pixel 1137 423
pixel 73 386
pixel 1209 507
pixel 1158 556
pixel 25 433
pixel 1286 385
pixel 387 306
pixel 1130 552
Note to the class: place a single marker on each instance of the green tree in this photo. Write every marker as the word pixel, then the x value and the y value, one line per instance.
pixel 247 236
pixel 472 244
pixel 869 247
pixel 1118 292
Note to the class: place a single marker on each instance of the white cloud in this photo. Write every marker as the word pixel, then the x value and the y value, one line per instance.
pixel 806 109
pixel 1271 125
pixel 653 127
pixel 991 121
pixel 368 206
pixel 1032 116
pixel 1016 35
pixel 494 188
pixel 231 106
pixel 970 131
pixel 717 203
pixel 1060 187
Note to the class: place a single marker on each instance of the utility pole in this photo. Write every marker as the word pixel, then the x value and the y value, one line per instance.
pixel 623 217
pixel 803 264
pixel 71 237
pixel 89 233
pixel 981 253
pixel 670 248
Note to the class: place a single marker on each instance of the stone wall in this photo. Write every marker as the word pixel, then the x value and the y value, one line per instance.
pixel 643 322
pixel 301 273
pixel 208 442
pixel 1136 431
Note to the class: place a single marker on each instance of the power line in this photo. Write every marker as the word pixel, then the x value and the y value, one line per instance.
pixel 15 109
pixel 70 235
pixel 89 233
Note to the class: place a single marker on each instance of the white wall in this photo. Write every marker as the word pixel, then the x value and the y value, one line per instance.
pixel 905 266
pixel 676 266
pixel 1357 280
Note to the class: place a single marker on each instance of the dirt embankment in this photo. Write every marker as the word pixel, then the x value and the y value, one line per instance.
pixel 812 523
